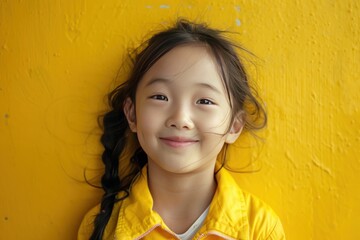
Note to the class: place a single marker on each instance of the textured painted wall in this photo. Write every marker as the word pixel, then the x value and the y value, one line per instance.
pixel 58 60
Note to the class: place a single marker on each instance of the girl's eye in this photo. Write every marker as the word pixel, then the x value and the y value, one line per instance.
pixel 205 102
pixel 159 97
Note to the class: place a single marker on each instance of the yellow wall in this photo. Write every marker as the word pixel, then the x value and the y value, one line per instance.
pixel 57 61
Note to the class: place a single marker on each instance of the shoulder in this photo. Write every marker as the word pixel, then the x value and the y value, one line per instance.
pixel 254 219
pixel 264 223
pixel 87 225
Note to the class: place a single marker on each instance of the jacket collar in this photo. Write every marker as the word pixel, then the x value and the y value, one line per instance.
pixel 227 215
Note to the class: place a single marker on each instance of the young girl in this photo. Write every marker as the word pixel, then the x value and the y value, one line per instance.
pixel 185 100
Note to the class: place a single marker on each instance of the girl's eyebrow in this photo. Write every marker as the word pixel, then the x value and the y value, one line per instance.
pixel 167 81
pixel 209 86
pixel 157 80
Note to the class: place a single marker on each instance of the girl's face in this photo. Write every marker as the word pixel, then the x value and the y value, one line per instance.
pixel 182 114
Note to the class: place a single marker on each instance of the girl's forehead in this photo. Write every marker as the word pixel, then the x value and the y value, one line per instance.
pixel 187 62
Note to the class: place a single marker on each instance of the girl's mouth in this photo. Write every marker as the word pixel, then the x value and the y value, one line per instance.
pixel 178 142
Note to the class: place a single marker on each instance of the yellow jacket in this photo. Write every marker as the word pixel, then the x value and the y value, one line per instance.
pixel 233 214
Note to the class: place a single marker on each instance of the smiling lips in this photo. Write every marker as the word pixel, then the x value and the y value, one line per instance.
pixel 178 142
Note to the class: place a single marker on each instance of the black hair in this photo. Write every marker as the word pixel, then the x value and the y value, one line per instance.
pixel 122 161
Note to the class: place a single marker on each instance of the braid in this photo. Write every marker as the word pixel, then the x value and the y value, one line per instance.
pixel 115 140
pixel 112 140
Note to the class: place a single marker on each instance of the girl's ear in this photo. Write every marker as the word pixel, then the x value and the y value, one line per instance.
pixel 236 129
pixel 129 111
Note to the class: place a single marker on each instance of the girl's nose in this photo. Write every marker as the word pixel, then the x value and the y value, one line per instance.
pixel 180 119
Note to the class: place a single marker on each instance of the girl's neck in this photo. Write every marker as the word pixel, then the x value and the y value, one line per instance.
pixel 181 198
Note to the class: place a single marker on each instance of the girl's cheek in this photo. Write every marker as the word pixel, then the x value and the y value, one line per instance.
pixel 148 117
pixel 215 119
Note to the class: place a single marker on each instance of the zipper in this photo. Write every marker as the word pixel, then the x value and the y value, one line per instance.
pixel 202 235
pixel 147 232
pixel 216 233
pixel 153 227
pixel 176 237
